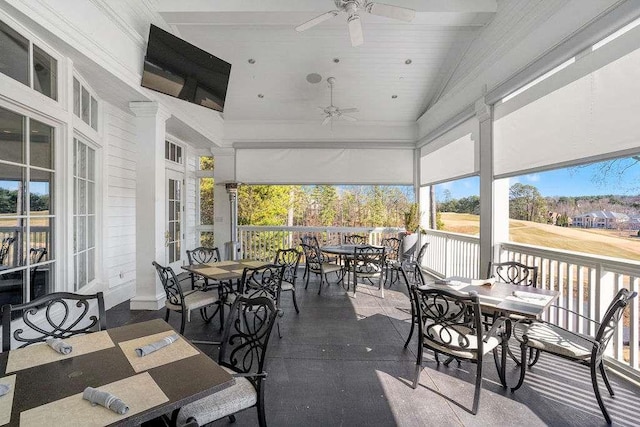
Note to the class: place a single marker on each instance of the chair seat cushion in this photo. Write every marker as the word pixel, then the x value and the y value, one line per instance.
pixel 286 286
pixel 330 268
pixel 226 402
pixel 554 339
pixel 194 301
pixel 459 337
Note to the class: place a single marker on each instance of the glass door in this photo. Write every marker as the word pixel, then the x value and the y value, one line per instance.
pixel 175 210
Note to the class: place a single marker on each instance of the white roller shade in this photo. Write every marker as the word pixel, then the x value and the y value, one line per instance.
pixel 324 166
pixel 451 155
pixel 588 110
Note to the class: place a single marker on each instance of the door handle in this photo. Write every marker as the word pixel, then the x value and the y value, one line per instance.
pixel 167 238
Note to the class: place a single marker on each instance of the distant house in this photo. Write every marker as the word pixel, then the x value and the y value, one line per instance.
pixel 600 219
pixel 634 222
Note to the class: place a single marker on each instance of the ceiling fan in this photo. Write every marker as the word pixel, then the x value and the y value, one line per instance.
pixel 351 8
pixel 332 112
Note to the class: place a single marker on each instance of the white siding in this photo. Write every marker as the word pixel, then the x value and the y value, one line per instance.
pixel 192 239
pixel 120 198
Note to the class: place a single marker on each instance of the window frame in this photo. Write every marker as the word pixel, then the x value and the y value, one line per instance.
pixel 203 228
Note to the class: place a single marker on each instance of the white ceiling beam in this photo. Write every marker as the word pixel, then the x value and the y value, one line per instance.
pixel 427 6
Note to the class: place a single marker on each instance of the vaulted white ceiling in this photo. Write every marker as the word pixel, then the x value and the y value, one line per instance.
pixel 366 76
pixel 450 43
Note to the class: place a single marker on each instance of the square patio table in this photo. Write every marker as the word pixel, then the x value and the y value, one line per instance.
pixel 48 386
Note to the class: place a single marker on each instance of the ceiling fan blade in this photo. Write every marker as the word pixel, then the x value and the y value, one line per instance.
pixel 326 120
pixel 395 12
pixel 349 118
pixel 348 110
pixel 315 21
pixel 355 31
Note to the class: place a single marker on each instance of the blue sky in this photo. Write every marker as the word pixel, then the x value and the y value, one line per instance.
pixel 623 178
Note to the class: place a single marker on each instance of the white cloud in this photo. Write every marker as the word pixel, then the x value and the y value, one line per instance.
pixel 534 177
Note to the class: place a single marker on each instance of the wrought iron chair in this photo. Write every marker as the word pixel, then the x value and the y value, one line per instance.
pixel 264 281
pixel 514 272
pixel 368 263
pixel 202 255
pixel 412 280
pixel 392 260
pixel 316 265
pixel 36 255
pixel 354 239
pixel 242 354
pixel 585 349
pixel 5 247
pixel 66 314
pixel 451 324
pixel 290 258
pixel 311 240
pixel 184 302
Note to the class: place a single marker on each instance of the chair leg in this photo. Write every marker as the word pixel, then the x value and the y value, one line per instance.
pixel 476 394
pixel 221 315
pixel 232 418
pixel 183 322
pixel 413 324
pixel 522 363
pixel 500 365
pixel 596 390
pixel 166 316
pixel 262 419
pixel 605 377
pixel 306 285
pixel 295 303
pixel 322 277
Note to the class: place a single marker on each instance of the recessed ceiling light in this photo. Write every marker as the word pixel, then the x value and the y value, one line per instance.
pixel 394 96
pixel 336 60
pixel 251 61
pixel 260 96
pixel 408 61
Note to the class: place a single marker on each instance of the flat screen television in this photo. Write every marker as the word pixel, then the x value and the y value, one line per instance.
pixel 177 68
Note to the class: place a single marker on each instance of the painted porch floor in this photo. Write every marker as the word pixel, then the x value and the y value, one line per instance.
pixel 341 361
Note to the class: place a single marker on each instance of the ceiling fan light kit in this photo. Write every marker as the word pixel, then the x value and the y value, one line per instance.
pixel 351 7
pixel 332 112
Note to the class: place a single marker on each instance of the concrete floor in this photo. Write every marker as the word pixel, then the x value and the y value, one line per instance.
pixel 341 361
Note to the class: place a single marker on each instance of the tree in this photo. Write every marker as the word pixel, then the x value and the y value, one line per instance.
pixel 526 203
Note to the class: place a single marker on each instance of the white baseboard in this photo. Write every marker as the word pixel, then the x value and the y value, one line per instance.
pixel 147 303
pixel 122 293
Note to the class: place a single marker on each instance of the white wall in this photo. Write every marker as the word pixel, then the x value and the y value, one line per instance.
pixel 120 204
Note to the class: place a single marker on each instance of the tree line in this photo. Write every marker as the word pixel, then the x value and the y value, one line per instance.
pixel 324 205
pixel 526 203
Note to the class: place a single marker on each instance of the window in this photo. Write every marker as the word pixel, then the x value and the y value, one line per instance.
pixel 84 214
pixel 26 208
pixel 14 49
pixel 85 105
pixel 205 199
pixel 173 152
pixel 458 206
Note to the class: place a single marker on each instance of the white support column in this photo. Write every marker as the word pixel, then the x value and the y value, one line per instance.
pixel 484 155
pixel 224 171
pixel 150 203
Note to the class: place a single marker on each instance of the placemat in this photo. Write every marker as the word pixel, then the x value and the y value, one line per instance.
pixel 6 401
pixel 530 298
pixel 221 263
pixel 212 271
pixel 180 349
pixel 139 392
pixel 253 263
pixel 40 354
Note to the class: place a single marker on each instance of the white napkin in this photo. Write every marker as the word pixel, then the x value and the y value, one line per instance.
pixel 4 389
pixel 106 399
pixel 58 345
pixel 155 346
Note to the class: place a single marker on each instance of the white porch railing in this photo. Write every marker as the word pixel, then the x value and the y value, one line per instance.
pixel 587 284
pixel 451 254
pixel 262 242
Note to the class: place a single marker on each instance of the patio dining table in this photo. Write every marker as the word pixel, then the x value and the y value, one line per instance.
pixel 45 387
pixel 508 298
